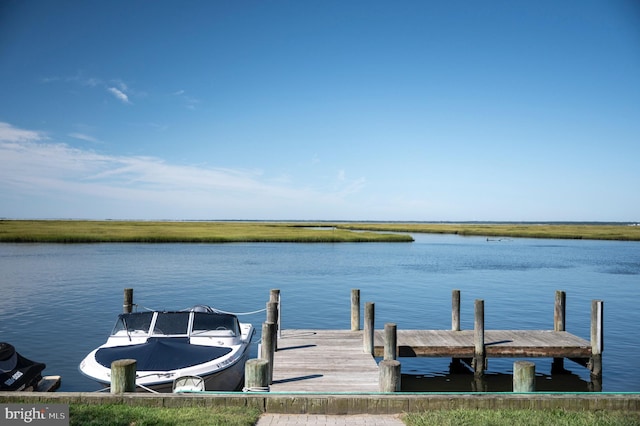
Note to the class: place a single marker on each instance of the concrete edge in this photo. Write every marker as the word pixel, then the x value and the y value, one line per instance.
pixel 309 403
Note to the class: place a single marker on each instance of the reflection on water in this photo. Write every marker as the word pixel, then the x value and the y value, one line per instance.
pixel 459 377
pixel 492 382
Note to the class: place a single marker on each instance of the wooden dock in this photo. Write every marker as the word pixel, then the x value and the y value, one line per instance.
pixel 497 343
pixel 335 360
pixel 343 360
pixel 323 361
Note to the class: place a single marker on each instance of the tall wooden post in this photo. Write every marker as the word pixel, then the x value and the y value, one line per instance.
pixel 597 337
pixel 369 321
pixel 559 317
pixel 479 358
pixel 455 325
pixel 390 341
pixel 267 348
pixel 455 310
pixel 123 376
pixel 127 304
pixel 274 296
pixel 355 309
pixel 559 311
pixel 272 317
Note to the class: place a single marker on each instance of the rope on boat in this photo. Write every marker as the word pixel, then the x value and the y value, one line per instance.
pixel 108 388
pixel 243 313
pixel 146 388
pixel 215 309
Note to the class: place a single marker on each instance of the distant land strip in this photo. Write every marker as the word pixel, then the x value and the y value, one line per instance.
pixel 122 231
pixel 586 231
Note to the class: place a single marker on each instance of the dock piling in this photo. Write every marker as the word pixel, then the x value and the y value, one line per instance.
pixel 390 376
pixel 355 309
pixel 369 321
pixel 455 310
pixel 123 376
pixel 274 296
pixel 127 304
pixel 524 376
pixel 559 311
pixel 272 317
pixel 267 348
pixel 559 317
pixel 256 375
pixel 479 356
pixel 597 338
pixel 390 341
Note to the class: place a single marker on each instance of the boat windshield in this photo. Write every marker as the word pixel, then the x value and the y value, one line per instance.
pixel 176 324
pixel 137 322
pixel 203 323
pixel 171 323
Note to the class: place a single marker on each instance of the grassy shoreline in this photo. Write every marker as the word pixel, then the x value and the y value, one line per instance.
pixel 511 230
pixel 86 231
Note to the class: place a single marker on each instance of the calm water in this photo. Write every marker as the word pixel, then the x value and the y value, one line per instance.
pixel 60 301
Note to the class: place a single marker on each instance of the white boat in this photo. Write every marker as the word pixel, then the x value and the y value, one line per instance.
pixel 167 345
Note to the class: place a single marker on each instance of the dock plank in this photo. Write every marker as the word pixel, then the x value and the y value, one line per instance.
pixel 323 361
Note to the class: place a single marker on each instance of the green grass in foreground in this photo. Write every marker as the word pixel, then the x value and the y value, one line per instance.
pixel 126 415
pixel 521 418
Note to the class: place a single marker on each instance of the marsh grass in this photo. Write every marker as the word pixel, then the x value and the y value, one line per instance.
pixel 560 231
pixel 78 231
pixel 72 231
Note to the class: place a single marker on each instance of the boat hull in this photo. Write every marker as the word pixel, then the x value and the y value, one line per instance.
pixel 229 379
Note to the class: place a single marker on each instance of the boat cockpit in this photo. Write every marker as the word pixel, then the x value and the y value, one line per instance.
pixel 194 322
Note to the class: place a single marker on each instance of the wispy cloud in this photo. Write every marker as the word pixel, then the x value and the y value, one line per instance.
pixel 8 133
pixel 190 102
pixel 119 94
pixel 115 87
pixel 84 137
pixel 79 78
pixel 33 165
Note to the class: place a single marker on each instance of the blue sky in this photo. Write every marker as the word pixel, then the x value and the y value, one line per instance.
pixel 320 110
